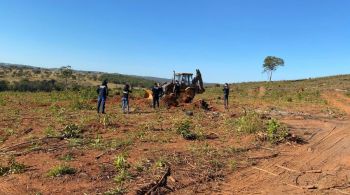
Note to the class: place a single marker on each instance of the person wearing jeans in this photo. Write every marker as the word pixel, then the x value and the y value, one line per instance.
pixel 157 92
pixel 226 94
pixel 125 99
pixel 102 92
pixel 177 89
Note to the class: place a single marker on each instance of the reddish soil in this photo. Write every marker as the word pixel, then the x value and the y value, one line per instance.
pixel 322 166
pixel 319 166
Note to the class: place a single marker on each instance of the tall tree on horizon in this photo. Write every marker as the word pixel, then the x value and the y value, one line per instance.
pixel 66 73
pixel 271 63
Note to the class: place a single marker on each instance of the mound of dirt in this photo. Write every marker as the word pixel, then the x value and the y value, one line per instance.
pixel 202 104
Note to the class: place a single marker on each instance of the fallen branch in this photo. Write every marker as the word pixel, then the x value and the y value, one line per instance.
pixel 336 187
pixel 276 175
pixel 313 171
pixel 13 147
pixel 296 171
pixel 14 153
pixel 288 169
pixel 263 170
pixel 161 183
pixel 26 131
pixel 102 154
pixel 310 187
pixel 155 186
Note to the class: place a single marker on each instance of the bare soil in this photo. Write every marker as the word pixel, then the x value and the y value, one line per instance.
pixel 322 166
pixel 319 165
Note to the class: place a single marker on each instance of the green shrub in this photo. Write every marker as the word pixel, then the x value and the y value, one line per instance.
pixel 183 128
pixel 275 131
pixel 121 166
pixel 61 170
pixel 98 143
pixel 71 131
pixel 32 86
pixel 122 176
pixel 233 165
pixel 12 168
pixel 120 163
pixel 80 104
pixel 50 132
pixel 270 130
pixel 87 93
pixel 161 162
pixel 4 85
pixel 250 123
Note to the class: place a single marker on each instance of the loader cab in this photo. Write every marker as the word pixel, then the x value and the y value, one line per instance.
pixel 185 79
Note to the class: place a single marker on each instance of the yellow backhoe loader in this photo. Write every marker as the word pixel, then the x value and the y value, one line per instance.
pixel 189 87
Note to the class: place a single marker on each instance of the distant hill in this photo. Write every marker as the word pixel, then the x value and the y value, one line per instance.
pixel 17 72
pixel 159 80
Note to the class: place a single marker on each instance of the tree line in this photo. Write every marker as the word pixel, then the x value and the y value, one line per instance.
pixel 32 86
pixel 131 80
pixel 271 63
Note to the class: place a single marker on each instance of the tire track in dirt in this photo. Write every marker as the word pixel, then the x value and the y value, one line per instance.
pixel 338 100
pixel 328 151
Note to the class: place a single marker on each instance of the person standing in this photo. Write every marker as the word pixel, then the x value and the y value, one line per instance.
pixel 102 92
pixel 176 89
pixel 156 93
pixel 226 94
pixel 125 98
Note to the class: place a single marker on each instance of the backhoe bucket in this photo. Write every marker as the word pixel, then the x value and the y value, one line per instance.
pixel 148 94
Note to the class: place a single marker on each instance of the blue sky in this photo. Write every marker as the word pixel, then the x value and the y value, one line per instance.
pixel 227 39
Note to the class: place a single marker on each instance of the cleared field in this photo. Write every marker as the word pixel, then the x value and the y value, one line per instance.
pixel 55 143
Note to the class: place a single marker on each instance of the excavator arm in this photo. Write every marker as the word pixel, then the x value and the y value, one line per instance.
pixel 198 82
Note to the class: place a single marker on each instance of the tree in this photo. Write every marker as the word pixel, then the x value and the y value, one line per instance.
pixel 66 73
pixel 271 63
pixel 4 85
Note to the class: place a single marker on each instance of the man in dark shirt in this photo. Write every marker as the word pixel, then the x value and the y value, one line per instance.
pixel 226 94
pixel 176 89
pixel 157 92
pixel 102 92
pixel 125 98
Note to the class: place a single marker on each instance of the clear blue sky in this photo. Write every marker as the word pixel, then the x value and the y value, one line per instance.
pixel 227 39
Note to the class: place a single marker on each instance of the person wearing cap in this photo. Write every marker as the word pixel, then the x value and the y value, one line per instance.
pixel 226 94
pixel 176 89
pixel 102 92
pixel 125 98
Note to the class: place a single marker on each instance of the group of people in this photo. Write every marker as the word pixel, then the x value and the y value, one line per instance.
pixel 157 93
pixel 102 91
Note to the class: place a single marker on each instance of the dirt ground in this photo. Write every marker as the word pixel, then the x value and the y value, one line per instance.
pixel 319 165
